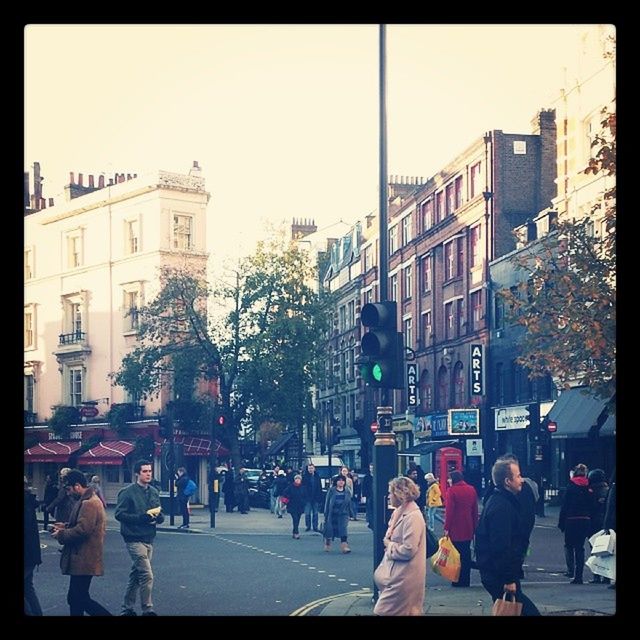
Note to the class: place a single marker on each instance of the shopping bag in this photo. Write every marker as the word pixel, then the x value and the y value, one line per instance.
pixel 504 607
pixel 446 561
pixel 602 566
pixel 604 544
pixel 432 543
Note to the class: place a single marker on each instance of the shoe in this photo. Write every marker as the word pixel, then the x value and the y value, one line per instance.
pixel 149 613
pixel 567 574
pixel 128 612
pixel 315 529
pixel 595 580
pixel 296 536
pixel 576 581
pixel 308 529
pixel 344 547
pixel 279 516
pixel 327 546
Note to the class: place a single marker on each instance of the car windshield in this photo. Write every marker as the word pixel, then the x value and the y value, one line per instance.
pixel 253 474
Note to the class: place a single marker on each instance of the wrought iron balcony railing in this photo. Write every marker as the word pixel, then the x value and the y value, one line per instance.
pixel 72 338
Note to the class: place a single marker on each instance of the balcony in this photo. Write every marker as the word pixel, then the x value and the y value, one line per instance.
pixel 30 418
pixel 72 344
pixel 71 338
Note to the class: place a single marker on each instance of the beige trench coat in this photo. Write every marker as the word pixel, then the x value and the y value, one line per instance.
pixel 401 574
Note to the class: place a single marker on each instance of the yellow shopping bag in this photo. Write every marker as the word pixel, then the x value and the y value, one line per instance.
pixel 446 561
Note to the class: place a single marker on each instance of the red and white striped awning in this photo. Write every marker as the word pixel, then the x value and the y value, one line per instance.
pixel 195 446
pixel 110 452
pixel 51 451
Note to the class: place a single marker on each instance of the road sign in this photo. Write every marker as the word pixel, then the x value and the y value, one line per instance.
pixel 88 411
pixel 552 426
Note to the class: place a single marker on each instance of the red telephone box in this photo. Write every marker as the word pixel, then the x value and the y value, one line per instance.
pixel 448 459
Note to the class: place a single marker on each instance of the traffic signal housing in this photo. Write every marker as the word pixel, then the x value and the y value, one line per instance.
pixel 381 347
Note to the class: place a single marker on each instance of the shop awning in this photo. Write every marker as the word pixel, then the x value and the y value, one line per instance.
pixel 196 446
pixel 110 452
pixel 575 413
pixel 426 447
pixel 280 443
pixel 52 451
pixel 608 428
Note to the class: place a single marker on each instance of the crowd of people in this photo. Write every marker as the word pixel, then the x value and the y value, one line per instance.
pixel 500 533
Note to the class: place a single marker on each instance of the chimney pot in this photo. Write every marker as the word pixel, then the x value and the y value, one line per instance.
pixel 110 181
pixel 71 177
pixel 80 179
pixel 91 181
pixel 100 182
pixel 51 202
pixel 128 176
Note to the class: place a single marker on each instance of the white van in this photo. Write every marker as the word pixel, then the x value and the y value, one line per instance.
pixel 321 463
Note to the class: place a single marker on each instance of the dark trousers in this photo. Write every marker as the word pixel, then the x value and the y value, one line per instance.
pixel 464 549
pixel 295 518
pixel 31 602
pixel 79 599
pixel 496 589
pixel 574 555
pixel 45 516
pixel 184 510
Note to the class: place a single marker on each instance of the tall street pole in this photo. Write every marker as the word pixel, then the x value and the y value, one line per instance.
pixel 385 447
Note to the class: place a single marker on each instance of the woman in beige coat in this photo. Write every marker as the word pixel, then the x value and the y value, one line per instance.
pixel 400 576
pixel 83 540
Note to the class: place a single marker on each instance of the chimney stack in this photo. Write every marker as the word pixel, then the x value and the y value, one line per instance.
pixel 101 181
pixel 91 181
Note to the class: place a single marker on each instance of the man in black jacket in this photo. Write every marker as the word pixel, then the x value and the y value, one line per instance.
pixel 313 496
pixel 498 538
pixel 32 554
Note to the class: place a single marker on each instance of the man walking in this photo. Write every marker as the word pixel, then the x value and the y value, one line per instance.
pixel 83 540
pixel 312 495
pixel 460 520
pixel 138 511
pixel 498 540
pixel 182 480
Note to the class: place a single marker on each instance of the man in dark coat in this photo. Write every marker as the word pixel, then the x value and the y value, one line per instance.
pixel 182 479
pixel 32 554
pixel 313 496
pixel 50 494
pixel 498 539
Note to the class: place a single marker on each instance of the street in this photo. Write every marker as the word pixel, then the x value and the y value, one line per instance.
pixel 250 566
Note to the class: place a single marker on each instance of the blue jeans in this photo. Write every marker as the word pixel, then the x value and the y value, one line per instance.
pixel 496 589
pixel 140 577
pixel 311 515
pixel 432 514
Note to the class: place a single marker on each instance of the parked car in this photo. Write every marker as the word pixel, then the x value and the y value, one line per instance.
pixel 258 487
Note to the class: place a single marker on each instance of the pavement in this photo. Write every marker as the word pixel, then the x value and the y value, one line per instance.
pixel 552 597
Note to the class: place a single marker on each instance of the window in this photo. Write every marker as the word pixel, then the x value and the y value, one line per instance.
pixel 343 366
pixel 499 383
pixel 458 193
pixel 74 319
pixel 449 316
pixel 343 319
pixel 476 308
pixel 459 399
pixel 426 213
pixel 182 232
pixel 408 282
pixel 74 249
pixel 351 371
pixel 393 281
pixel 475 187
pixel 29 383
pixel 439 212
pixel 449 199
pixel 408 332
pixel 368 296
pixel 351 315
pixel 393 240
pixel 132 236
pixel 426 274
pixel 29 327
pixel 426 328
pixel 28 264
pixel 449 260
pixel 426 398
pixel 75 386
pixel 520 147
pixel 476 235
pixel 498 316
pixel 406 230
pixel 443 389
pixel 459 256
pixel 460 321
pixel 368 258
pixel 131 306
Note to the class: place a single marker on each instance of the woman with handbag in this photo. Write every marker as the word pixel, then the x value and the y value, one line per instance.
pixel 401 574
pixel 337 508
pixel 294 497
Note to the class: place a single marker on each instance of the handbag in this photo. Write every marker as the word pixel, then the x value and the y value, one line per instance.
pixel 432 543
pixel 504 607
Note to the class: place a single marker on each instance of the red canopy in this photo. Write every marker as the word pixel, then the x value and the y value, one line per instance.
pixel 111 452
pixel 51 451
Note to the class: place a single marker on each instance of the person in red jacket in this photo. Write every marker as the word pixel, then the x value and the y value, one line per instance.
pixel 460 521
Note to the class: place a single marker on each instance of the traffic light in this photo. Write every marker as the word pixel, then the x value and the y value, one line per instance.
pixel 382 347
pixel 221 420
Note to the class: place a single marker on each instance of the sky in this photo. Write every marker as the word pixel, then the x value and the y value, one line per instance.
pixel 283 119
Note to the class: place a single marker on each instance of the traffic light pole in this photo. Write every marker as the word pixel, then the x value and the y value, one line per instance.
pixel 213 475
pixel 385 452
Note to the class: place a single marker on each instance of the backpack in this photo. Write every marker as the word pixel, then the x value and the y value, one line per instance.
pixel 190 489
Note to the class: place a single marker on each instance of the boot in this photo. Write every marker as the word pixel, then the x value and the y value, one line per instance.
pixel 344 547
pixel 327 545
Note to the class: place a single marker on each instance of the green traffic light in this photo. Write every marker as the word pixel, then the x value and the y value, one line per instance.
pixel 377 372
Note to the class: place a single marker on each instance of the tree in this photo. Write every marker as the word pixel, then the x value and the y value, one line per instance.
pixel 567 300
pixel 254 333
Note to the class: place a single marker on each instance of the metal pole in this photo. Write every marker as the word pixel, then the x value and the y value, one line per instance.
pixel 385 457
pixel 172 471
pixel 213 474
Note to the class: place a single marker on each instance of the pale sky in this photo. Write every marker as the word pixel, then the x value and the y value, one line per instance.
pixel 283 119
